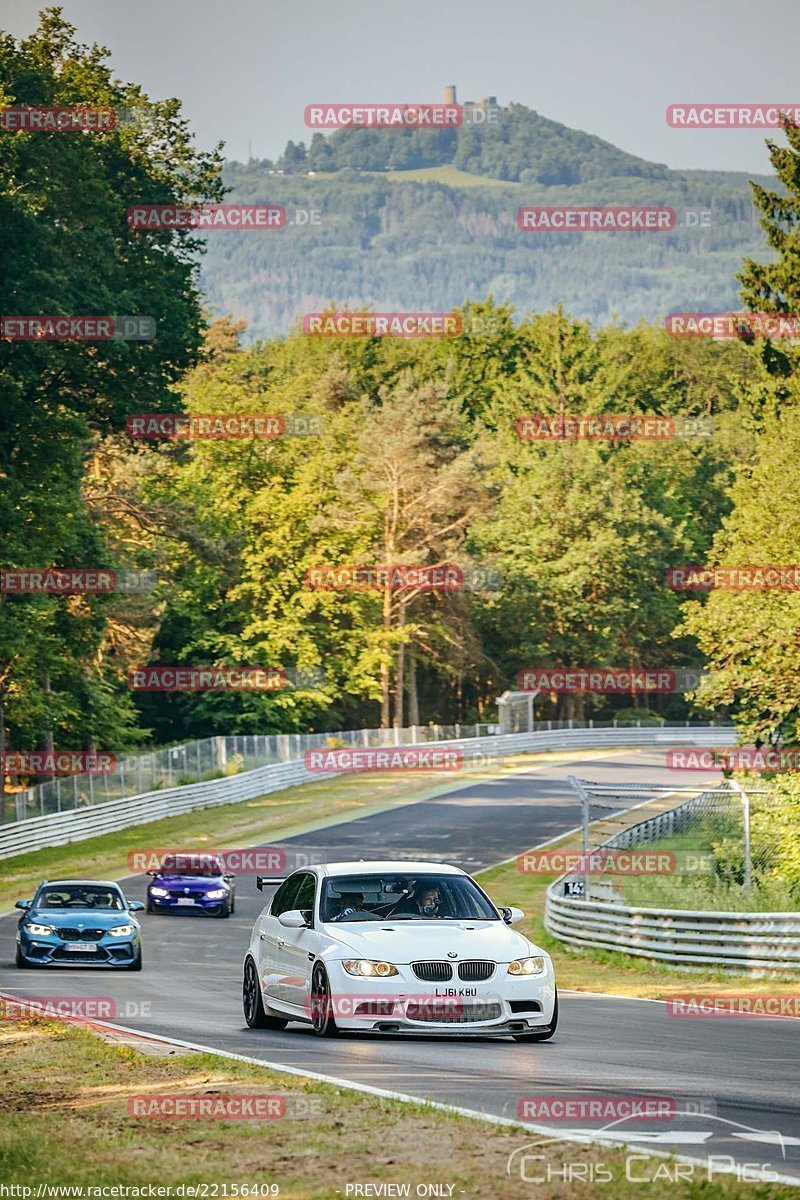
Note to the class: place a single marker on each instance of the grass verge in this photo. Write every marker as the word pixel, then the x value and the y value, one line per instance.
pixel 64 1120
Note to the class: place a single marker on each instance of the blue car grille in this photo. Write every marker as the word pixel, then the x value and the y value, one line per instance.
pixel 80 935
pixel 180 894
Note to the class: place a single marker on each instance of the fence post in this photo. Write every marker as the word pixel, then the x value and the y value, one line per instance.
pixel 748 864
pixel 577 786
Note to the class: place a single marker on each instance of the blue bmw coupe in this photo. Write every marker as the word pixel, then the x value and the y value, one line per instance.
pixel 191 883
pixel 88 923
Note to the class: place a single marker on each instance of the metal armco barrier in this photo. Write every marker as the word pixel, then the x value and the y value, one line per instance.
pixel 740 941
pixel 734 940
pixel 57 829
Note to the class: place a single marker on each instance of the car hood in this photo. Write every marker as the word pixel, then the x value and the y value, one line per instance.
pixel 411 941
pixel 80 918
pixel 198 883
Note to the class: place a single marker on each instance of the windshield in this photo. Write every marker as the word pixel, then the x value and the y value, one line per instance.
pixel 404 898
pixel 79 896
pixel 190 864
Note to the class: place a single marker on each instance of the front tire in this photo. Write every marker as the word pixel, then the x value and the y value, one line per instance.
pixel 322 1020
pixel 253 1004
pixel 20 959
pixel 541 1035
pixel 136 965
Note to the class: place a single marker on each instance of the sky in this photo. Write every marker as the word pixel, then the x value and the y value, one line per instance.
pixel 246 69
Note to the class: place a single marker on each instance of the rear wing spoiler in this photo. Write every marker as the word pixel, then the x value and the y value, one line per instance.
pixel 263 881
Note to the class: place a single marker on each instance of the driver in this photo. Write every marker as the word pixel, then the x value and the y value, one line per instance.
pixel 426 902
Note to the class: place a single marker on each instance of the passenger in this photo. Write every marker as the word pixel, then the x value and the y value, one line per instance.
pixel 351 908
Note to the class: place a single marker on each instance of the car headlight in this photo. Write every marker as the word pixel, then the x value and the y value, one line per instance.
pixel 363 966
pixel 122 931
pixel 527 966
pixel 39 930
pixel 217 893
pixel 157 891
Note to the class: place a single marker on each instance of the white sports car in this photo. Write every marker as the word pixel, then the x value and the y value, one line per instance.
pixel 395 947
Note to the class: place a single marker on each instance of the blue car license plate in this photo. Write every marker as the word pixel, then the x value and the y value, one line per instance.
pixel 81 947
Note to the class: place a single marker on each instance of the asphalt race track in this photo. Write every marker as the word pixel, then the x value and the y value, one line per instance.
pixel 741 1076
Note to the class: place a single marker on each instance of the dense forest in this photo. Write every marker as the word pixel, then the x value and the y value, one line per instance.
pixel 409 453
pixel 405 219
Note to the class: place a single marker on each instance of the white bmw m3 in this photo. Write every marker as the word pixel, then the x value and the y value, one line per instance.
pixel 395 947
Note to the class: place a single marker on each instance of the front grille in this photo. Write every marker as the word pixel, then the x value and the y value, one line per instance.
pixel 64 955
pixel 474 972
pixel 433 972
pixel 80 935
pixel 182 895
pixel 463 1014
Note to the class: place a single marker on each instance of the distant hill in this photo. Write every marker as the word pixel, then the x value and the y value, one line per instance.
pixel 516 144
pixel 427 220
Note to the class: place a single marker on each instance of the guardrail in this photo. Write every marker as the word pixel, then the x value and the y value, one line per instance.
pixel 741 941
pixel 57 829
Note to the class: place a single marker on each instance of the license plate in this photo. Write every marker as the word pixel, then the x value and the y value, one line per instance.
pixel 185 901
pixel 81 947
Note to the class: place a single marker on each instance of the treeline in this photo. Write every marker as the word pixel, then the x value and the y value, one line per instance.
pixel 407 453
pixel 413 245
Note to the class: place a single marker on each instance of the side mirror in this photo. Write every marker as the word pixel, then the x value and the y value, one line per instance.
pixel 22 904
pixel 512 916
pixel 135 906
pixel 293 919
pixel 152 874
pixel 228 878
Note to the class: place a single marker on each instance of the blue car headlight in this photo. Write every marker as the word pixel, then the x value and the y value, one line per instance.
pixel 217 894
pixel 122 931
pixel 158 891
pixel 38 930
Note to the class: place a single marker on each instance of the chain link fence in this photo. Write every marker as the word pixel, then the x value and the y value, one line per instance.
pixel 209 758
pixel 714 849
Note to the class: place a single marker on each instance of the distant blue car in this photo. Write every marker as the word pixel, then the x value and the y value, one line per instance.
pixel 87 923
pixel 191 883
